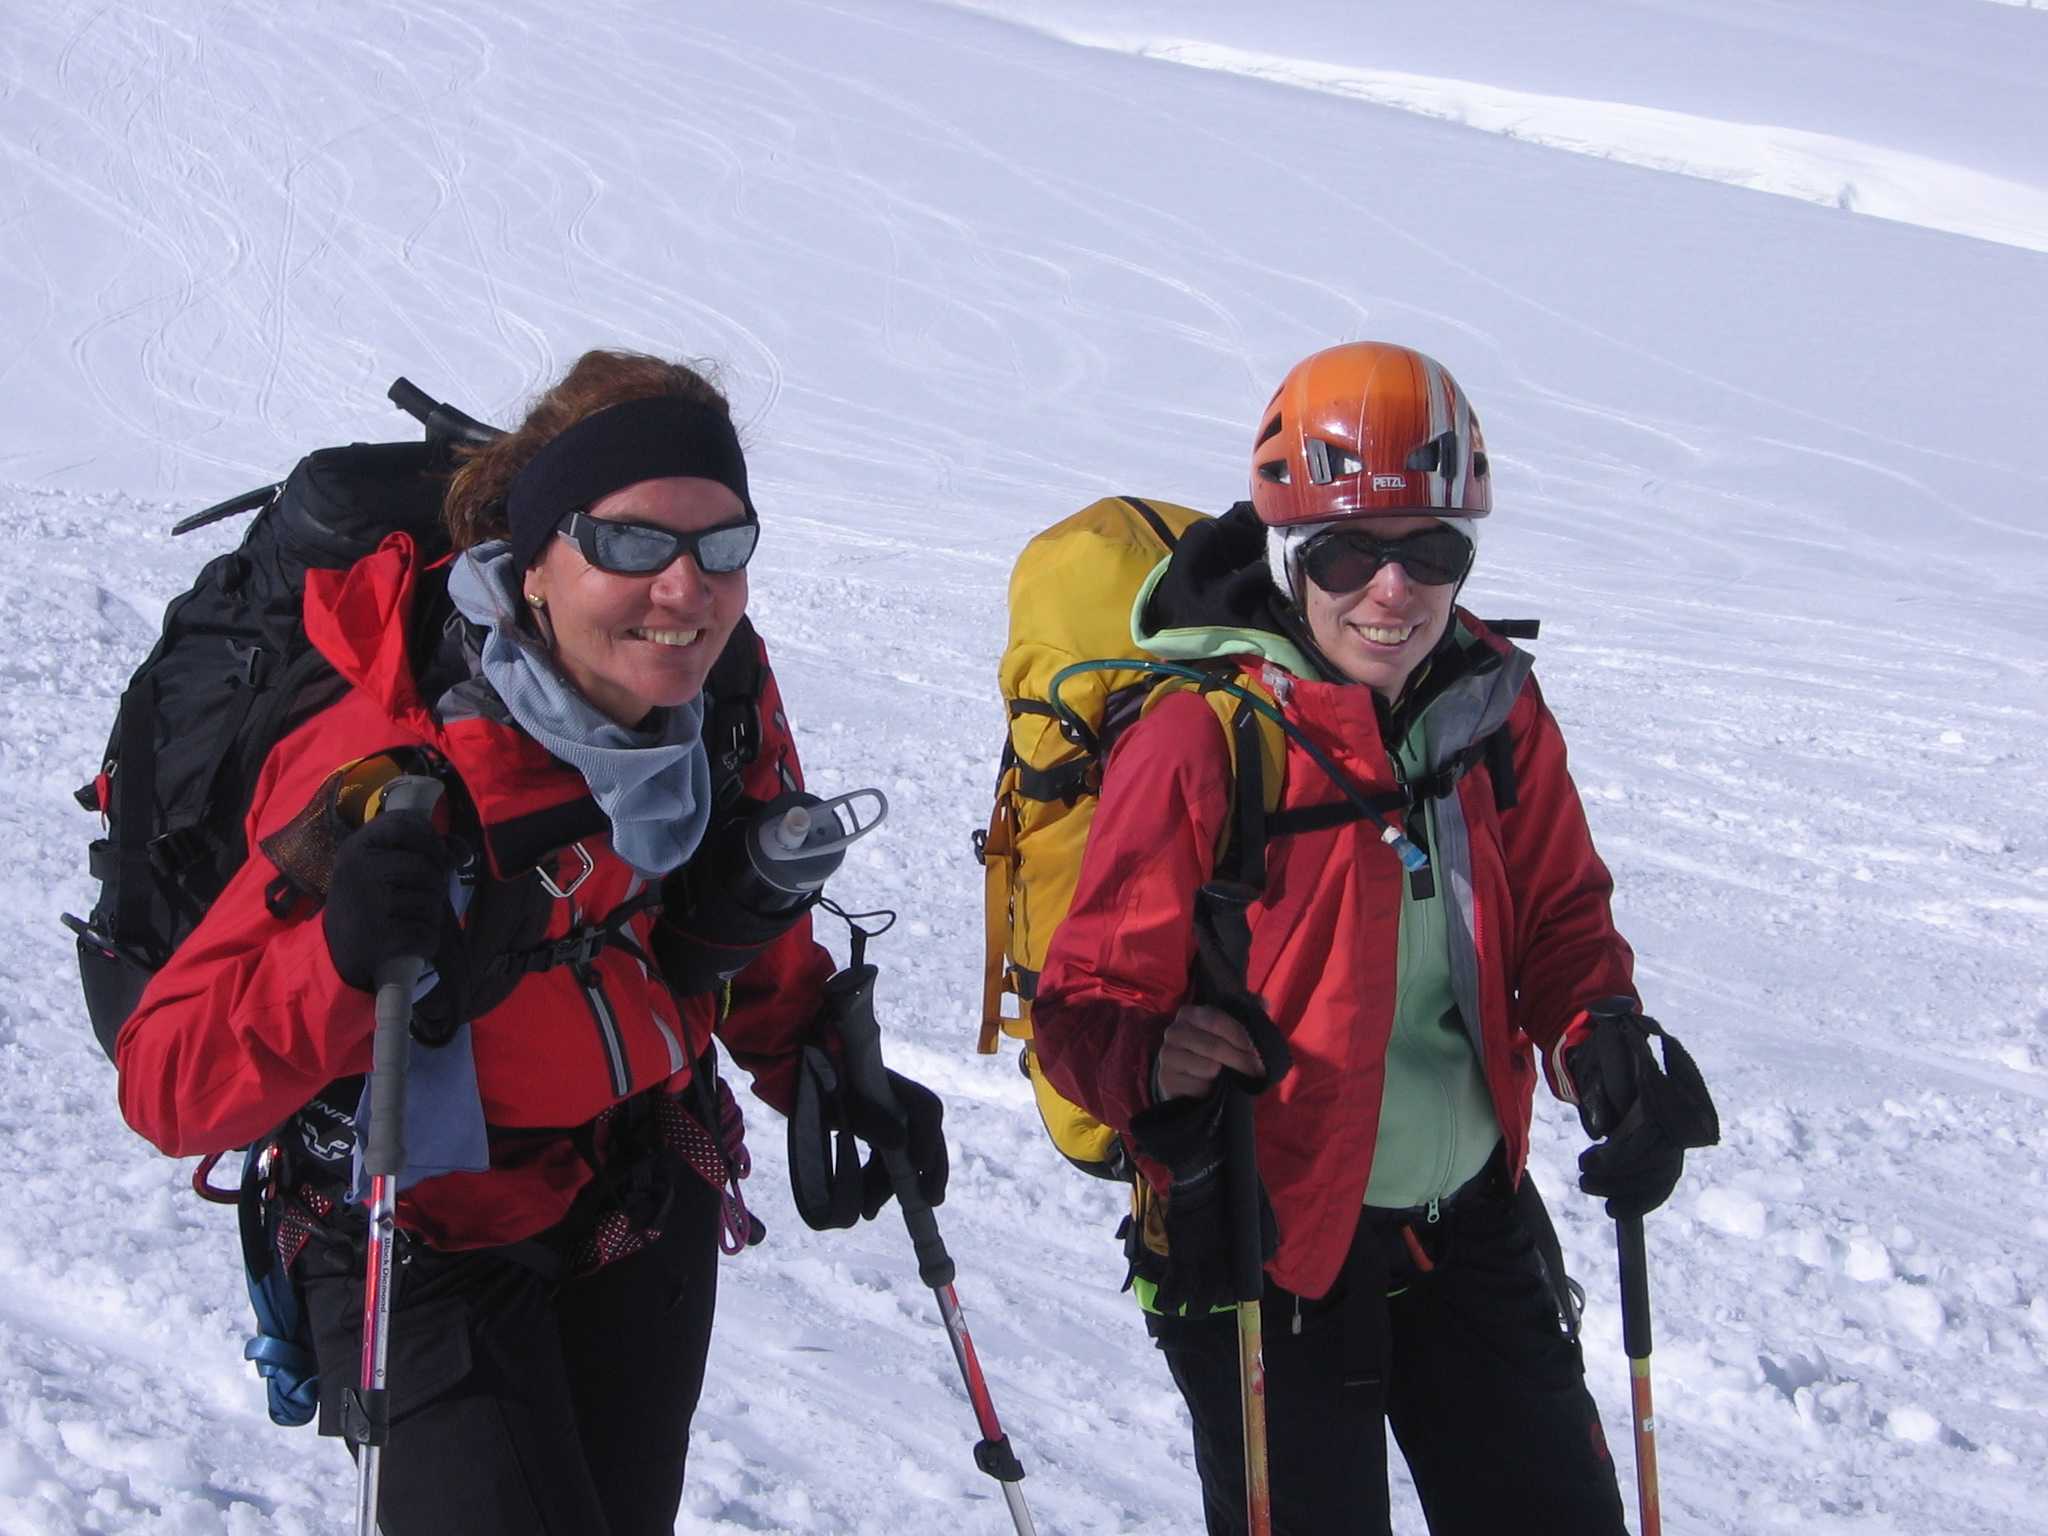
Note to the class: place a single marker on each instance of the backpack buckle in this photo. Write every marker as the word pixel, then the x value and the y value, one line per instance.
pixel 253 670
pixel 746 738
pixel 1434 786
pixel 578 947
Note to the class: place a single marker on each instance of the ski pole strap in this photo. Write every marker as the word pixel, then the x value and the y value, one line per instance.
pixel 824 1162
pixel 850 1004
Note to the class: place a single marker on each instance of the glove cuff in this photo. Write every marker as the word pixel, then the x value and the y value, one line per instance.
pixel 1182 1134
pixel 1554 1067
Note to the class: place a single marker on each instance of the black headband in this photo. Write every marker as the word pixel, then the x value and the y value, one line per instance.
pixel 621 445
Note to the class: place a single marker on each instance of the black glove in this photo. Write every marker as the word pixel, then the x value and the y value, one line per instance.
pixel 388 896
pixel 1648 1112
pixel 1187 1135
pixel 916 1127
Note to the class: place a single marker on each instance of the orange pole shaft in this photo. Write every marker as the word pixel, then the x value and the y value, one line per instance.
pixel 1646 1447
pixel 1251 1365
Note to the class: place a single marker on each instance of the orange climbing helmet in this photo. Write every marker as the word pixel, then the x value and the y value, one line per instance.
pixel 1369 429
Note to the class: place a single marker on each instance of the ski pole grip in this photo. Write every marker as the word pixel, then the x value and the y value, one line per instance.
pixel 1635 1287
pixel 850 997
pixel 934 1265
pixel 391 1048
pixel 1241 1184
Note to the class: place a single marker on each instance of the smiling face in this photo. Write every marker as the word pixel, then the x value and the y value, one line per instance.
pixel 1380 634
pixel 632 644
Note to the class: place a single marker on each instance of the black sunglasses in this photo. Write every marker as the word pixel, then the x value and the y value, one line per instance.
pixel 643 549
pixel 1344 561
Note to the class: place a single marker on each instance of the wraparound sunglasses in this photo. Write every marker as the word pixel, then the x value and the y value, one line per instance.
pixel 643 549
pixel 1344 561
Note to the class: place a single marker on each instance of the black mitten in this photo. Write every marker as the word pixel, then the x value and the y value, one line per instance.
pixel 1643 1113
pixel 388 896
pixel 917 1127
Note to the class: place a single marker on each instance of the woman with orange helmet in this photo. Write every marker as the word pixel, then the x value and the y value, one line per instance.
pixel 1388 1002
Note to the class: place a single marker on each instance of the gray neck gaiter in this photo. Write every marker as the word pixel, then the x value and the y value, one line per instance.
pixel 654 785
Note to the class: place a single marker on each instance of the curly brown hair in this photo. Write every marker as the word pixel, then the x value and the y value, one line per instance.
pixel 474 509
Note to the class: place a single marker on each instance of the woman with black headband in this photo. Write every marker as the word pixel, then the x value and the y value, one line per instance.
pixel 582 680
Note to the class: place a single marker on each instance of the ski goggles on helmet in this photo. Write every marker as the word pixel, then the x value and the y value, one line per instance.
pixel 645 549
pixel 1345 559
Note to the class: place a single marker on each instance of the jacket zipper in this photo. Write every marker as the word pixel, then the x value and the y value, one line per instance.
pixel 607 1029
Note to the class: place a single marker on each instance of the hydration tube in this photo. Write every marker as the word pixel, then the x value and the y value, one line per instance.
pixel 1412 858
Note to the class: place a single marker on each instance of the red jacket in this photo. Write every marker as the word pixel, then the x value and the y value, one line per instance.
pixel 1324 938
pixel 249 1020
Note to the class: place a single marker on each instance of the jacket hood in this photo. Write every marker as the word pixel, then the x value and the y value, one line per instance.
pixel 1211 597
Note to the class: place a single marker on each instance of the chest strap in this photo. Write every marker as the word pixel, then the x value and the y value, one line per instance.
pixel 582 944
pixel 1496 750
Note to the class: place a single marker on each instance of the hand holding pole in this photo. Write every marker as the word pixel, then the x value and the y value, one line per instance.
pixel 850 1004
pixel 366 1413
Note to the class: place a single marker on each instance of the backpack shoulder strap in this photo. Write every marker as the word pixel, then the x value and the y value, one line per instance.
pixel 1244 860
pixel 1154 521
pixel 732 723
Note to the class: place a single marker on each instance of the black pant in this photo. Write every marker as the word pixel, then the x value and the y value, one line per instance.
pixel 522 1405
pixel 1486 1395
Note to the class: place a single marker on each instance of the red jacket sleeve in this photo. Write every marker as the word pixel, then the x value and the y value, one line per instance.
pixel 1566 951
pixel 1120 961
pixel 774 1000
pixel 248 1020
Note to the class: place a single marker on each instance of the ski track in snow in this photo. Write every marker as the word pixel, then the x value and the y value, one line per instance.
pixel 1790 602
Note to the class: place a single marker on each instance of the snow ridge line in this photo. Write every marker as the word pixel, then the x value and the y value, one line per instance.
pixel 1824 168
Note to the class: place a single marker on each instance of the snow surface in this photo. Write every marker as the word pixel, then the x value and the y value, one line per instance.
pixel 1769 471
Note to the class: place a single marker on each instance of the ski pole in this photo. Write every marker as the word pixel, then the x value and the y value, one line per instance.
pixel 1635 1339
pixel 1249 1282
pixel 850 996
pixel 366 1410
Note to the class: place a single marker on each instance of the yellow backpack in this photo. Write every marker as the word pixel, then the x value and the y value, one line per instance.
pixel 1072 681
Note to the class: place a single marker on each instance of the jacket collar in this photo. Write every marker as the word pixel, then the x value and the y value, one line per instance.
pixel 366 621
pixel 1476 681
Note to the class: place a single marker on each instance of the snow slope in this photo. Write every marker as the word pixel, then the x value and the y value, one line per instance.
pixel 1767 471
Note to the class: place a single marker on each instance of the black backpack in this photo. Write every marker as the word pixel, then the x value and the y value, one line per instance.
pixel 232 674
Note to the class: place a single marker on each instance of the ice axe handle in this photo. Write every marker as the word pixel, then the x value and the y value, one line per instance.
pixel 384 1151
pixel 850 1002
pixel 441 421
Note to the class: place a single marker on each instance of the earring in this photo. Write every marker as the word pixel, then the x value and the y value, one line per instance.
pixel 535 600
